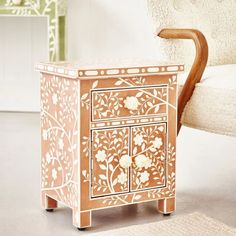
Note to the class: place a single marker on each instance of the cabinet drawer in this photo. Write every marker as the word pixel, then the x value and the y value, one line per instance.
pixel 130 102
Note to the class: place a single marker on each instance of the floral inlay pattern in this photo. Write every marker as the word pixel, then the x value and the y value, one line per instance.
pixel 59 137
pixel 170 187
pixel 132 102
pixel 110 161
pixel 92 164
pixel 148 151
pixel 112 164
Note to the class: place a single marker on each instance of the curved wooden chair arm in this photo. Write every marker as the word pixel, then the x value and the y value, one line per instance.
pixel 198 66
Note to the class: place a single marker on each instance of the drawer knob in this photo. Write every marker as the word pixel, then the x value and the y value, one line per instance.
pixel 16 2
pixel 125 161
pixel 131 103
pixel 142 161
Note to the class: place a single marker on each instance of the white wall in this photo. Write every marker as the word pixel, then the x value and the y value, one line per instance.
pixel 23 42
pixel 105 30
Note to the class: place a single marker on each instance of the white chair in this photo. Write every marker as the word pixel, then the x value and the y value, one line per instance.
pixel 207 100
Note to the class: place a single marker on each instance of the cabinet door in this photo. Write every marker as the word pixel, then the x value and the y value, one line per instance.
pixel 149 156
pixel 110 149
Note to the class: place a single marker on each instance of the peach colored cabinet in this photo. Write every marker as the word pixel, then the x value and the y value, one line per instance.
pixel 108 137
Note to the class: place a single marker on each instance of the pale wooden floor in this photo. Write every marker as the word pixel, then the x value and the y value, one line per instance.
pixel 206 182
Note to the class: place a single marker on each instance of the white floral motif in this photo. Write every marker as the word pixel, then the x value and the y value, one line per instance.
pixel 101 156
pixel 138 140
pixel 60 144
pixel 144 176
pixel 54 99
pixel 54 173
pixel 125 161
pixel 143 161
pixel 131 103
pixel 122 178
pixel 157 143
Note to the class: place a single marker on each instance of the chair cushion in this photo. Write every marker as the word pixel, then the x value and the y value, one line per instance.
pixel 216 19
pixel 212 106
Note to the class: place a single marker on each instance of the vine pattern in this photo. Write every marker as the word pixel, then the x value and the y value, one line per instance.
pixel 112 104
pixel 59 140
pixel 60 158
pixel 108 177
pixel 148 142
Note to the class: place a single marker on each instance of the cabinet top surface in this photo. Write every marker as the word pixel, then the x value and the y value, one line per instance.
pixel 77 70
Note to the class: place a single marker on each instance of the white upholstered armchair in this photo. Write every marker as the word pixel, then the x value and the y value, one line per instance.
pixel 207 98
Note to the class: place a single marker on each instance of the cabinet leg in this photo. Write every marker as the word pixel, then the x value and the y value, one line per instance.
pixel 81 220
pixel 48 203
pixel 166 206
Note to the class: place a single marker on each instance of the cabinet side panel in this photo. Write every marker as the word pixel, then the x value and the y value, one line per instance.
pixel 171 137
pixel 59 139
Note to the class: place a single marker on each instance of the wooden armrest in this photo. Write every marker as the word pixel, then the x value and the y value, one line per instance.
pixel 198 66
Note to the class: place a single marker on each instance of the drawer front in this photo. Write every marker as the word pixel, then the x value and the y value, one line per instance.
pixel 108 147
pixel 149 156
pixel 130 102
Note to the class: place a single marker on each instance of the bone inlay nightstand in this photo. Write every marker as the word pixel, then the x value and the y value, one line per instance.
pixel 108 137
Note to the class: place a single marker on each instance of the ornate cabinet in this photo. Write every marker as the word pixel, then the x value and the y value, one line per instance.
pixel 108 137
